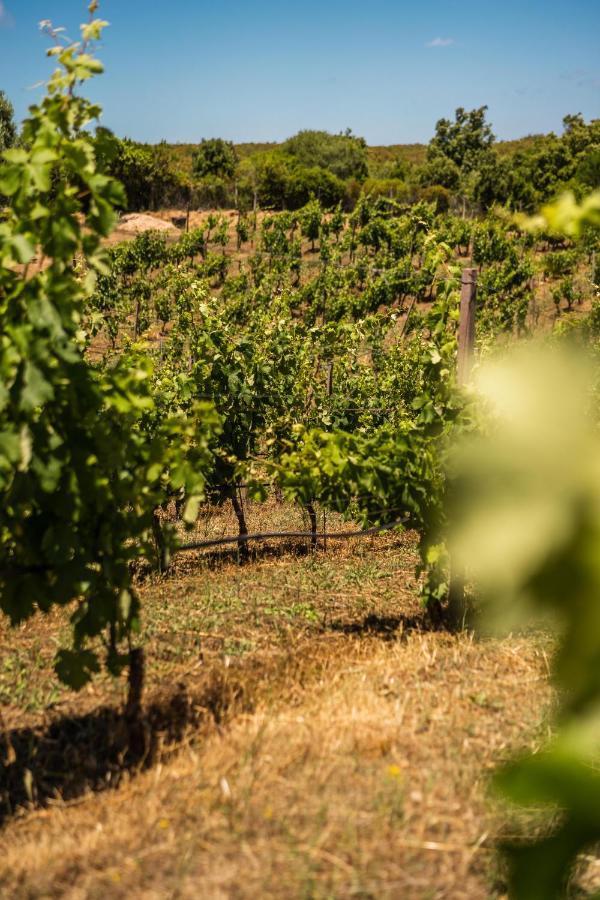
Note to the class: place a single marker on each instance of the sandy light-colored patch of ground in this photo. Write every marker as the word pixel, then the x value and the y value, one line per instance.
pixel 136 223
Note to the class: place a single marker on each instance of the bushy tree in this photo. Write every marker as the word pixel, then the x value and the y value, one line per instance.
pixel 269 178
pixel 344 155
pixel 398 169
pixel 465 140
pixel 279 183
pixel 215 157
pixel 301 184
pixel 439 170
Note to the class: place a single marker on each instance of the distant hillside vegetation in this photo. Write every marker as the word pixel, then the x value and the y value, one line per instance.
pixel 182 155
pixel 462 167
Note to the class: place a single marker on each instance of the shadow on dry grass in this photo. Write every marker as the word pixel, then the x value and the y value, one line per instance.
pixel 76 754
pixel 387 628
pixel 70 756
pixel 61 760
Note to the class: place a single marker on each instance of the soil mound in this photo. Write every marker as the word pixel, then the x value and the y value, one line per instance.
pixel 135 223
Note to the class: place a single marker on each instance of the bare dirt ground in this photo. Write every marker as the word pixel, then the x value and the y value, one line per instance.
pixel 304 734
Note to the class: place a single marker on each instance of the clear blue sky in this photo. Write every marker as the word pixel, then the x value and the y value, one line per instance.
pixel 261 70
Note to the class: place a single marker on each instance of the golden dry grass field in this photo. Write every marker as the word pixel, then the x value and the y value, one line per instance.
pixel 304 733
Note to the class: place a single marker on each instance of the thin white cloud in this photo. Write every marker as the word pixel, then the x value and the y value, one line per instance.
pixel 6 20
pixel 441 42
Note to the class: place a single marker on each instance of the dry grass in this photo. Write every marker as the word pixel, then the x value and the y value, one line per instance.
pixel 363 777
pixel 305 735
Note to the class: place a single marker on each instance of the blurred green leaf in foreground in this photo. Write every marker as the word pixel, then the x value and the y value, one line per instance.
pixel 526 519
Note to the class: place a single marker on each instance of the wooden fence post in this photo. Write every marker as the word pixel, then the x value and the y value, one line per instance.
pixel 466 327
pixel 330 378
pixel 457 607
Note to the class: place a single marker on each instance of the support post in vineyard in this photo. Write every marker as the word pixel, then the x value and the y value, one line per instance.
pixel 312 515
pixel 457 609
pixel 466 326
pixel 330 378
pixel 238 508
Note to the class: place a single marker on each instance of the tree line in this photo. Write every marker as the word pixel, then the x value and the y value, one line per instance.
pixel 464 168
